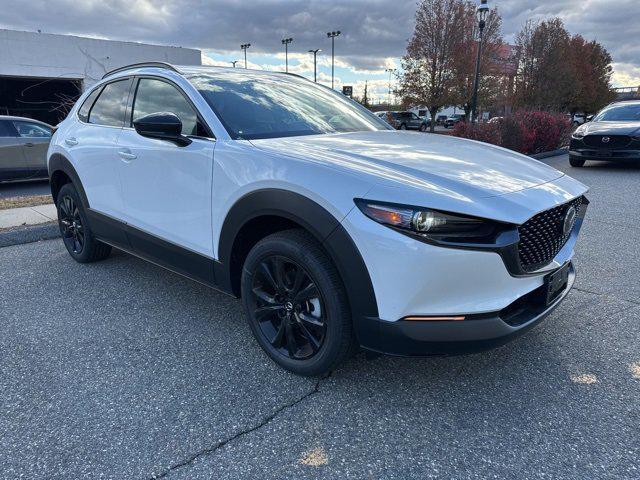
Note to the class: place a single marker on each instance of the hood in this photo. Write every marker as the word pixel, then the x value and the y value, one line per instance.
pixel 433 162
pixel 611 128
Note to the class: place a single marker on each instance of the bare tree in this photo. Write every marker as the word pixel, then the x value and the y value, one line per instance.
pixel 429 73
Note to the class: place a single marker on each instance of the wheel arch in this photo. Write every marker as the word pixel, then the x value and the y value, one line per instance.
pixel 61 171
pixel 270 210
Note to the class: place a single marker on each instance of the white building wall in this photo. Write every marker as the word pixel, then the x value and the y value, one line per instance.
pixel 44 55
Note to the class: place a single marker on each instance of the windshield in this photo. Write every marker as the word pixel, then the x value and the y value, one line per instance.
pixel 253 106
pixel 620 113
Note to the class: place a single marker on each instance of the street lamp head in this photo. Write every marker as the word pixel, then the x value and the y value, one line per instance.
pixel 315 51
pixel 286 41
pixel 333 34
pixel 244 46
pixel 482 12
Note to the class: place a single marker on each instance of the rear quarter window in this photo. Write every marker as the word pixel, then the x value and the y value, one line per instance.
pixel 83 112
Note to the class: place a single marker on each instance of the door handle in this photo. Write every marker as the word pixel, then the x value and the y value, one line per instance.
pixel 71 141
pixel 127 155
pixel 29 144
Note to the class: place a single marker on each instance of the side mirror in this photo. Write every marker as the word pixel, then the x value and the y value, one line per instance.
pixel 163 126
pixel 589 118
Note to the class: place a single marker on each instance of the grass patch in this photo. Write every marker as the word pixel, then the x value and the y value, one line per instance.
pixel 26 201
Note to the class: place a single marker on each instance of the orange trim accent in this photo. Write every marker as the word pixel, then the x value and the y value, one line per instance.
pixel 432 319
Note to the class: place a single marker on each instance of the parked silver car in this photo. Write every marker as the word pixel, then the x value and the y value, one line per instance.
pixel 23 148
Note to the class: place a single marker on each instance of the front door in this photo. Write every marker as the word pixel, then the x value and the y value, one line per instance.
pixel 166 187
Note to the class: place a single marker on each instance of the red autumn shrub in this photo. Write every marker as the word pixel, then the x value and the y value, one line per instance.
pixel 525 131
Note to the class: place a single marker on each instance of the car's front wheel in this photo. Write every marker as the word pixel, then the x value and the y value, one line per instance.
pixel 576 161
pixel 75 230
pixel 423 128
pixel 296 304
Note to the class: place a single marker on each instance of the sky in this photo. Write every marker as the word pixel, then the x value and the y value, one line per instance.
pixel 374 32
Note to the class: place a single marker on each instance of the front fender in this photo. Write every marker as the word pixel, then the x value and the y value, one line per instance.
pixel 317 221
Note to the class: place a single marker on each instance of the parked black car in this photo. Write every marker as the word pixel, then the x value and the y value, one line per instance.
pixel 613 134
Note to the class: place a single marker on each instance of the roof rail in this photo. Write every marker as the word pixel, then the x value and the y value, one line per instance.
pixel 168 66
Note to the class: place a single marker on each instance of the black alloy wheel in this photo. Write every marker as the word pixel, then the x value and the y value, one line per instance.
pixel 296 304
pixel 71 227
pixel 75 229
pixel 288 308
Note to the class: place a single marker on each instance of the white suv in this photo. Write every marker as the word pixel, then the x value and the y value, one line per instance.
pixel 335 230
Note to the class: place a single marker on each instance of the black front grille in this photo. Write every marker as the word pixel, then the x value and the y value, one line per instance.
pixel 615 141
pixel 542 237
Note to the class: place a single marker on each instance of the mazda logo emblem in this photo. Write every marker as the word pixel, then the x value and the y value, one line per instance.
pixel 606 139
pixel 569 220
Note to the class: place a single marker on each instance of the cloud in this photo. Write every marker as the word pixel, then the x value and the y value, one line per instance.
pixel 374 32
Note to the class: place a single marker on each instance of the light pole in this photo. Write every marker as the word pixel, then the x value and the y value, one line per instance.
pixel 234 63
pixel 315 70
pixel 391 72
pixel 286 42
pixel 482 12
pixel 244 47
pixel 332 36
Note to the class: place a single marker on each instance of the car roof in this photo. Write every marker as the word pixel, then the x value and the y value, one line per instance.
pixel 23 119
pixel 187 70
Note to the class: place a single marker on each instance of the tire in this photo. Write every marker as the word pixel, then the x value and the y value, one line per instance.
pixel 576 161
pixel 403 127
pixel 75 230
pixel 423 128
pixel 303 322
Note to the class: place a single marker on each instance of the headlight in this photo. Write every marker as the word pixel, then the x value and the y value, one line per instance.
pixel 430 224
pixel 579 133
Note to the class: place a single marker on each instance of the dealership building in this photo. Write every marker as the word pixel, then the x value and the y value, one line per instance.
pixel 41 74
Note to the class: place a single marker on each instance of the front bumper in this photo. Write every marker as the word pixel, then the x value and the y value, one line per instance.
pixel 579 149
pixel 451 337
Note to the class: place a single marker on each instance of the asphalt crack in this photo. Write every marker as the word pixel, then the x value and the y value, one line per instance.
pixel 607 295
pixel 264 422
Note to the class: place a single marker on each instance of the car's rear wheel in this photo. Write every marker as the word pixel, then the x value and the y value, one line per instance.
pixel 75 230
pixel 576 161
pixel 296 304
pixel 403 127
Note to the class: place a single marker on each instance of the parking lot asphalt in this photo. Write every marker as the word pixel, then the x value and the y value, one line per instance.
pixel 120 369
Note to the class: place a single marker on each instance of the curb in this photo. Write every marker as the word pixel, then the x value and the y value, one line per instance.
pixel 552 153
pixel 29 234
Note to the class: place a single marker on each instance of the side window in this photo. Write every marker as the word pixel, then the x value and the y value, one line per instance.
pixel 7 130
pixel 32 130
pixel 111 104
pixel 154 96
pixel 83 113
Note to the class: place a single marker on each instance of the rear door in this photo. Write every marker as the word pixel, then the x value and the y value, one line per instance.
pixel 92 144
pixel 35 139
pixel 12 162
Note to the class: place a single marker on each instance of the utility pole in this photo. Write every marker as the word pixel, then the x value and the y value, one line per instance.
pixel 332 36
pixel 482 12
pixel 315 69
pixel 244 47
pixel 391 72
pixel 286 42
pixel 234 63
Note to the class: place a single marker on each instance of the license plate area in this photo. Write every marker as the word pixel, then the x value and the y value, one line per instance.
pixel 556 282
